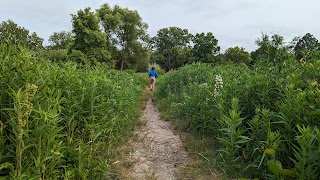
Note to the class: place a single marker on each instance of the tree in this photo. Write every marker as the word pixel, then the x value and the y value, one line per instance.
pixel 205 47
pixel 293 43
pixel 306 45
pixel 109 21
pixel 237 55
pixel 54 55
pixel 88 38
pixel 60 40
pixel 171 46
pixel 273 50
pixel 13 34
pixel 263 52
pixel 35 42
pixel 142 56
pixel 77 56
pixel 126 36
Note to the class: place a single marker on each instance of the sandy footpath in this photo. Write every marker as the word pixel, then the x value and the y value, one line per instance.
pixel 156 153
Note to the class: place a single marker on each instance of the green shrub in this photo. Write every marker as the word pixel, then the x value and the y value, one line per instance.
pixel 62 121
pixel 263 129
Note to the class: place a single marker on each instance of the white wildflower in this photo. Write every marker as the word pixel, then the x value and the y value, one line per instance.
pixel 203 85
pixel 218 85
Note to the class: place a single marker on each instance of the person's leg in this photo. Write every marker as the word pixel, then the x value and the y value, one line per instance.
pixel 153 84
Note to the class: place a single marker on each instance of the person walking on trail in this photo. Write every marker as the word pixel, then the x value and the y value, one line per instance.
pixel 153 75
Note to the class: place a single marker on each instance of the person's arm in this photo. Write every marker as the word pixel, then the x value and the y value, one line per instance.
pixel 149 73
pixel 156 74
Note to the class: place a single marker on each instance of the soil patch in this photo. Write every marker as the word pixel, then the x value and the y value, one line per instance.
pixel 157 153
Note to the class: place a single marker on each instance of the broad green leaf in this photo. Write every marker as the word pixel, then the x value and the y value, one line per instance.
pixel 270 151
pixel 275 167
pixel 288 172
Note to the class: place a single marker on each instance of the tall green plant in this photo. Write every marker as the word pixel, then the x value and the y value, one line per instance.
pixel 272 100
pixel 306 157
pixel 75 122
pixel 232 135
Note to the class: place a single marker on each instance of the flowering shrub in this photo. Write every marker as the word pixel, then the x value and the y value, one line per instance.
pixel 264 119
pixel 218 85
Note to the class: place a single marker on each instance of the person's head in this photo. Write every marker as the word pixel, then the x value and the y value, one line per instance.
pixel 152 68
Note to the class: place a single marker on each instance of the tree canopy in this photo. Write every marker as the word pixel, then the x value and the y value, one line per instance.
pixel 118 37
pixel 237 55
pixel 126 34
pixel 61 40
pixel 270 49
pixel 205 47
pixel 308 43
pixel 174 47
pixel 12 33
pixel 170 47
pixel 89 39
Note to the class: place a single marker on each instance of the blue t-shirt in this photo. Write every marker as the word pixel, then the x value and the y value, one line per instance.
pixel 152 73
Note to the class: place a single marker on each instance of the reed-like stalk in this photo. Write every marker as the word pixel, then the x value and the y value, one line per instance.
pixel 23 109
pixel 76 106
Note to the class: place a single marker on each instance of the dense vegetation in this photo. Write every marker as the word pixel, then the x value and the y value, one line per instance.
pixel 62 121
pixel 64 107
pixel 263 120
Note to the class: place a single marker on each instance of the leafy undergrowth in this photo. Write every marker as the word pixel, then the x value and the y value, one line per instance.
pixel 121 164
pixel 260 121
pixel 63 121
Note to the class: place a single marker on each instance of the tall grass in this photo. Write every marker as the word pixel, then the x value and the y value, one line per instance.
pixel 62 121
pixel 264 119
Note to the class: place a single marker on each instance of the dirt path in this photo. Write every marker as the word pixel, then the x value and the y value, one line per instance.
pixel 156 153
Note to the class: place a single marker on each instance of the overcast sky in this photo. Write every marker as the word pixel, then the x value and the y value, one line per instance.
pixel 233 22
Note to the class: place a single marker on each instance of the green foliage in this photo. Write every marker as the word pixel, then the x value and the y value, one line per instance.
pixel 78 56
pixel 232 138
pixel 205 47
pixel 121 43
pixel 62 121
pixel 262 119
pixel 305 46
pixel 306 153
pixel 60 40
pixel 172 47
pixel 126 37
pixel 88 37
pixel 271 50
pixel 13 34
pixel 55 55
pixel 237 55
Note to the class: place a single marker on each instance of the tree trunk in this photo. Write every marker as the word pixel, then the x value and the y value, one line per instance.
pixel 121 67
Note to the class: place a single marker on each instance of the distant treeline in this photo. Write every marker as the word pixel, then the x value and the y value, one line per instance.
pixel 118 37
